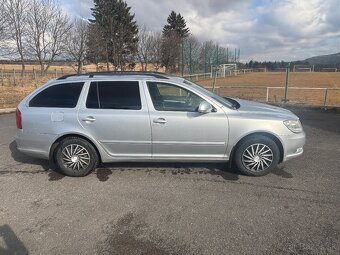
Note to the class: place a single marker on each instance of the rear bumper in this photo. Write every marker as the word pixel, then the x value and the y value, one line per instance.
pixel 34 145
pixel 293 145
pixel 33 153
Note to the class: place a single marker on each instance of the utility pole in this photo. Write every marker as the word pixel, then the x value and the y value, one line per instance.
pixel 216 54
pixel 190 60
pixel 286 86
pixel 205 58
pixel 182 58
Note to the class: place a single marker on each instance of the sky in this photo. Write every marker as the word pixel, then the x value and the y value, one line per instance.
pixel 264 30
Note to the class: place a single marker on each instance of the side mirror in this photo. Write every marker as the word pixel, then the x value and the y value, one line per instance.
pixel 205 107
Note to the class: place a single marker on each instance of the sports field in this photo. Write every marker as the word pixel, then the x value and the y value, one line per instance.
pixel 254 86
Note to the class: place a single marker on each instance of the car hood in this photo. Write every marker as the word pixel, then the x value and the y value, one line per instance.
pixel 263 109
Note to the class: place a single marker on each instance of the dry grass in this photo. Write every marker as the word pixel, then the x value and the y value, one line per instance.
pixel 255 87
pixel 277 79
pixel 17 68
pixel 11 94
pixel 14 87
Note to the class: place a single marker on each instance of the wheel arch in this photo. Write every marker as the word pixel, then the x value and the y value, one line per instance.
pixel 56 143
pixel 269 135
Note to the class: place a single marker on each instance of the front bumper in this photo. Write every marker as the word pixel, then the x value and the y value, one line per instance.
pixel 293 145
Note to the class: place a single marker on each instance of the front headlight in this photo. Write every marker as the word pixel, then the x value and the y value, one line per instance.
pixel 293 125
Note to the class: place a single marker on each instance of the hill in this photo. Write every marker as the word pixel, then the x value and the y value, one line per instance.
pixel 332 59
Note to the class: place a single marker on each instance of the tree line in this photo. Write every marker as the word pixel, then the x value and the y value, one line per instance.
pixel 40 30
pixel 279 65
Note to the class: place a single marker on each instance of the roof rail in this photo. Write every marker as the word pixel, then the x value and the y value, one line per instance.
pixel 92 74
pixel 69 75
pixel 153 74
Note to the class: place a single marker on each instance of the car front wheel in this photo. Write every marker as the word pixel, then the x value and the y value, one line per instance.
pixel 257 155
pixel 76 157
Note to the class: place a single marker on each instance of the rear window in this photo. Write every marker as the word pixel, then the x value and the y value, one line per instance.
pixel 123 95
pixel 60 96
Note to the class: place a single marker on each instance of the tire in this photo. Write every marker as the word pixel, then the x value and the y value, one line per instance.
pixel 76 157
pixel 257 155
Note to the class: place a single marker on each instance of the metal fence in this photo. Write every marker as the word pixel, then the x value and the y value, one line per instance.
pixel 13 77
pixel 327 97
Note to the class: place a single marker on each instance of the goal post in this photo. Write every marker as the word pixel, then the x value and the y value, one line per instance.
pixel 224 70
pixel 303 68
pixel 328 69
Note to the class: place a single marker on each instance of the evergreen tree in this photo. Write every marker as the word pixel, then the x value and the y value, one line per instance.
pixel 174 32
pixel 95 45
pixel 120 31
pixel 177 24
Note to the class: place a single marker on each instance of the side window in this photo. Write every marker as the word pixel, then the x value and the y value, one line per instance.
pixel 60 96
pixel 114 95
pixel 168 97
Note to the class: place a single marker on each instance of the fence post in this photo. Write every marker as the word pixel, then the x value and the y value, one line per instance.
pixel 325 101
pixel 286 87
pixel 267 97
pixel 34 77
pixel 14 78
pixel 213 87
pixel 56 74
pixel 2 77
pixel 62 71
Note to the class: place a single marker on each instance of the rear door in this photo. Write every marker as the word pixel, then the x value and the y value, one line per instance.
pixel 116 115
pixel 48 112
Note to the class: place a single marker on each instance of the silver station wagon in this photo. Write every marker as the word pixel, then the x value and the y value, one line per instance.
pixel 79 121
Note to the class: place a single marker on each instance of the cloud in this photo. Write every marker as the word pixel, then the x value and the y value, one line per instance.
pixel 262 29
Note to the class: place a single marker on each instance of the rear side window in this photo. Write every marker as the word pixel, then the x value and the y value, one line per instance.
pixel 114 95
pixel 60 96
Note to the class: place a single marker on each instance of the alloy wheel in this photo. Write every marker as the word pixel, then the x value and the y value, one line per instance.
pixel 75 157
pixel 257 157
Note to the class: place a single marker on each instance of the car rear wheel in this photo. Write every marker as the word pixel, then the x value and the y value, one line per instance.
pixel 257 155
pixel 76 157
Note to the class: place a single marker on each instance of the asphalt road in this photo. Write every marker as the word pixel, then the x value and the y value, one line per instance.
pixel 174 208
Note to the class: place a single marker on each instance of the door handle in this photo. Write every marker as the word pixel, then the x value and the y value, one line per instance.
pixel 89 119
pixel 160 121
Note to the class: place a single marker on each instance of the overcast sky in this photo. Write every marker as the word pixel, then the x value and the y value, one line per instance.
pixel 262 29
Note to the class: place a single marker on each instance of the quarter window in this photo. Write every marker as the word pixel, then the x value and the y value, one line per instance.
pixel 114 95
pixel 64 95
pixel 168 97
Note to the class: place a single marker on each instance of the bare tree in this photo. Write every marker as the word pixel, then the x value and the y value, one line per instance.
pixel 144 47
pixel 3 19
pixel 171 48
pixel 76 43
pixel 48 28
pixel 16 14
pixel 208 55
pixel 192 53
pixel 156 50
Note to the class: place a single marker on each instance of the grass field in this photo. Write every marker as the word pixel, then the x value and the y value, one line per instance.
pixel 277 79
pixel 253 85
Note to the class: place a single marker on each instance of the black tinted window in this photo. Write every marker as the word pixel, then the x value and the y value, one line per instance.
pixel 114 95
pixel 60 96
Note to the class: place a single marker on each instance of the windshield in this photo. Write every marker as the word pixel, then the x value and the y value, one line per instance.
pixel 219 99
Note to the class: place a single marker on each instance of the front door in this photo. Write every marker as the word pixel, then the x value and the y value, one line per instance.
pixel 179 131
pixel 116 115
